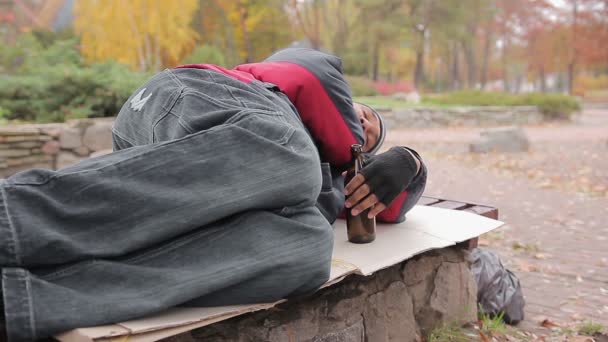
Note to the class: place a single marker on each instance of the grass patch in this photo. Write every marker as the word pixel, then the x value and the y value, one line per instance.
pixel 382 101
pixel 391 102
pixel 552 106
pixel 527 247
pixel 449 332
pixel 590 329
pixel 491 324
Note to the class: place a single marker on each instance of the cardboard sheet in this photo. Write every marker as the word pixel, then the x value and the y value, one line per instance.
pixel 426 228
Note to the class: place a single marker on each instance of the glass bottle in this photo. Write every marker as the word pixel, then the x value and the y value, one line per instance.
pixel 360 228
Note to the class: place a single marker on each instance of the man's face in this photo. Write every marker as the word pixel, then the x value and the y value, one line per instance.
pixel 370 124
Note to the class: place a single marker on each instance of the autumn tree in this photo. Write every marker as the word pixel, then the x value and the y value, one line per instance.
pixel 245 30
pixel 145 34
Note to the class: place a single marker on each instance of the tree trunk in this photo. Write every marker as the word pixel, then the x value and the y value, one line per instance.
pixel 376 61
pixel 340 38
pixel 543 80
pixel 438 79
pixel 455 68
pixel 469 56
pixel 486 57
pixel 419 70
pixel 246 39
pixel 571 67
pixel 572 63
pixel 316 41
pixel 505 73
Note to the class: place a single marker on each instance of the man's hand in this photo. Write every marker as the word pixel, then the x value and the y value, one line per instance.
pixel 361 193
pixel 380 181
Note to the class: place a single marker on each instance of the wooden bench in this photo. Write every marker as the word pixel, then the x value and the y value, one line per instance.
pixel 480 209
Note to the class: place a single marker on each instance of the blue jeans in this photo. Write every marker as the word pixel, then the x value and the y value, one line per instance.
pixel 218 215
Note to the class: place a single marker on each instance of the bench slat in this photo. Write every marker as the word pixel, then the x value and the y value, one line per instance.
pixel 450 205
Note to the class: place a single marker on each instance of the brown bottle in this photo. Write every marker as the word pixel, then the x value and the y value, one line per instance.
pixel 360 228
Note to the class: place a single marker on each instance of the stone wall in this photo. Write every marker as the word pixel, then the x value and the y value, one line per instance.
pixel 59 145
pixel 401 303
pixel 461 116
pixel 52 145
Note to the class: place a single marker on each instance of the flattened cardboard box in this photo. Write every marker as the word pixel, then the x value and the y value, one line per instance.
pixel 426 228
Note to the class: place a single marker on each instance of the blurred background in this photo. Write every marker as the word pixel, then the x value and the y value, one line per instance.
pixel 387 47
pixel 506 100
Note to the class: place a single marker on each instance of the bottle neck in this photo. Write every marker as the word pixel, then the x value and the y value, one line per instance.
pixel 356 153
pixel 358 162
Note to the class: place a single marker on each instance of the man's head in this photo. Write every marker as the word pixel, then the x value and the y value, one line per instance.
pixel 374 129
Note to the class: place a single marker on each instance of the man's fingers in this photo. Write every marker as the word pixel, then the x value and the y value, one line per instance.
pixel 377 209
pixel 357 196
pixel 354 183
pixel 368 202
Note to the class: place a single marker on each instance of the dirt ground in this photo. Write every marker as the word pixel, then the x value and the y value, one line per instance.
pixel 554 201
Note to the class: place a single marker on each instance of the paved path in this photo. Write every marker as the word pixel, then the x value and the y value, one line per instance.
pixel 554 200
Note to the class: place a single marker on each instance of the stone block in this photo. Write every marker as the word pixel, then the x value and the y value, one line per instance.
pixel 345 304
pixel 353 333
pixel 455 293
pixel 51 147
pixel 19 138
pixel 18 130
pixel 52 130
pixel 98 136
pixel 389 315
pixel 420 269
pixel 81 124
pixel 36 159
pixel 26 144
pixel 10 162
pixel 504 139
pixel 82 151
pixel 14 153
pixel 380 307
pixel 70 138
pixel 65 159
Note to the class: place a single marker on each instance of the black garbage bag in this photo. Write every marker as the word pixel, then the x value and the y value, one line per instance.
pixel 498 289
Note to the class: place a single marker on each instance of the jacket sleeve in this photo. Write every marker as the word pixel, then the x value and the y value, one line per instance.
pixel 313 82
pixel 405 201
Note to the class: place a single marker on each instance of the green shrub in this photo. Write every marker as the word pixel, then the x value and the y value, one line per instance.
pixel 552 106
pixel 3 113
pixel 589 328
pixel 43 78
pixel 36 51
pixel 12 57
pixel 361 86
pixel 205 54
pixel 61 92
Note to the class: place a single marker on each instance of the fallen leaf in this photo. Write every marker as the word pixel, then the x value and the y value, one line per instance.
pixel 580 339
pixel 527 267
pixel 540 256
pixel 546 323
pixel 483 337
pixel 579 278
